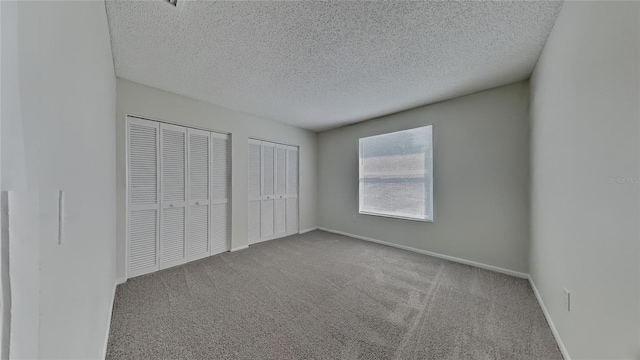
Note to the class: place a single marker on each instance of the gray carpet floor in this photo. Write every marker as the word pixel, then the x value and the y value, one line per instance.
pixel 326 296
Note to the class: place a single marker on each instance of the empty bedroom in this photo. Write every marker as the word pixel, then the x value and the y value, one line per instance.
pixel 190 179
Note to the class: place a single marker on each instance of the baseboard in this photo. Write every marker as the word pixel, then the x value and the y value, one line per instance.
pixel 307 230
pixel 425 252
pixel 554 331
pixel 239 248
pixel 113 298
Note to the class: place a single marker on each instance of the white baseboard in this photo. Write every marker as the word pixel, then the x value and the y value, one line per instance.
pixel 239 248
pixel 307 230
pixel 554 331
pixel 425 252
pixel 113 298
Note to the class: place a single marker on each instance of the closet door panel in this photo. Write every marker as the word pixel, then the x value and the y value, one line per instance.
pixel 173 167
pixel 255 190
pixel 292 190
pixel 268 187
pixel 199 205
pixel 220 175
pixel 281 190
pixel 143 200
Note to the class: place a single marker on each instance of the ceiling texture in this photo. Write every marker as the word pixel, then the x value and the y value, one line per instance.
pixel 320 65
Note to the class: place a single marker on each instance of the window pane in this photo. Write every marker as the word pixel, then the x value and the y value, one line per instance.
pixel 395 174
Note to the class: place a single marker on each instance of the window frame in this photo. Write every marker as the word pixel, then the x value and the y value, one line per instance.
pixel 428 192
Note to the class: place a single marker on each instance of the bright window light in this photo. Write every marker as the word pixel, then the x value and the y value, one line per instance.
pixel 396 174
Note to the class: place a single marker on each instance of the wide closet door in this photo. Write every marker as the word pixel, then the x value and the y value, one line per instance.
pixel 273 190
pixel 178 195
pixel 143 200
pixel 173 216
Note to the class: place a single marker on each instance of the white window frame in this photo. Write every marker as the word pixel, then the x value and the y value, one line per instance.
pixel 428 191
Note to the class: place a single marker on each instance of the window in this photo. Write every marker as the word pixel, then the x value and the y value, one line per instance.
pixel 396 174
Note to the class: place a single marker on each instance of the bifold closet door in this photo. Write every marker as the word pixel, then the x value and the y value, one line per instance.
pixel 292 190
pixel 220 171
pixel 281 191
pixel 173 167
pixel 255 190
pixel 268 189
pixel 199 198
pixel 143 189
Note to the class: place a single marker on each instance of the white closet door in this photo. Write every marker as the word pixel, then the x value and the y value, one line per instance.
pixel 281 190
pixel 268 186
pixel 143 202
pixel 220 172
pixel 173 167
pixel 255 190
pixel 199 197
pixel 292 190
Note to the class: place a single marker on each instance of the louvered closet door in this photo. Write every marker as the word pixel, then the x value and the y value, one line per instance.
pixel 292 190
pixel 281 190
pixel 173 169
pixel 255 190
pixel 199 227
pixel 143 202
pixel 219 193
pixel 268 187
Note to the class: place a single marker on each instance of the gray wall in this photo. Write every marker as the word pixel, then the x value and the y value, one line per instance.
pixel 137 99
pixel 585 190
pixel 64 92
pixel 481 179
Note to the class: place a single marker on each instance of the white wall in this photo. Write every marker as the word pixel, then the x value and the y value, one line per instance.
pixel 481 179
pixel 67 106
pixel 141 100
pixel 585 187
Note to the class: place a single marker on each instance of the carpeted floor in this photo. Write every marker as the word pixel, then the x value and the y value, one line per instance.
pixel 326 296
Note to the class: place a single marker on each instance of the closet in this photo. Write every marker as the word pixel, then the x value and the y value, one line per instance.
pixel 273 190
pixel 177 195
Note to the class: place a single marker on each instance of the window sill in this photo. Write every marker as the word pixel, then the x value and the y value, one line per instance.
pixel 396 217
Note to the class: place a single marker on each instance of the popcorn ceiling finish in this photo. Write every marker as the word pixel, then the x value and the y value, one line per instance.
pixel 319 65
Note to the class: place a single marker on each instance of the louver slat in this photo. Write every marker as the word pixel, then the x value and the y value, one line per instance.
pixel 172 234
pixel 198 166
pixel 219 228
pixel 199 230
pixel 142 239
pixel 143 163
pixel 254 171
pixel 173 165
pixel 220 165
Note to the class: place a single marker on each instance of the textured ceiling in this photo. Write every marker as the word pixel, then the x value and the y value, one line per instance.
pixel 319 65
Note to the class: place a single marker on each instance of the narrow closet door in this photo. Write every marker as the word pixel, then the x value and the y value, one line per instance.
pixel 220 171
pixel 268 186
pixel 199 204
pixel 255 190
pixel 281 190
pixel 173 167
pixel 292 190
pixel 142 190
